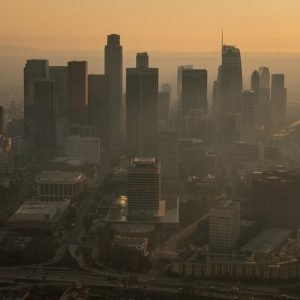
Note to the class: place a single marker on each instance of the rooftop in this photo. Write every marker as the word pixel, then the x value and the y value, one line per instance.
pixel 60 177
pixel 39 210
pixel 267 241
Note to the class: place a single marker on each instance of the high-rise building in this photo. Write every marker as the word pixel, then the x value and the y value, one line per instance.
pixel 224 225
pixel 255 84
pixel 78 91
pixel 265 106
pixel 275 198
pixel 230 85
pixel 231 79
pixel 194 90
pixel 99 106
pixel 45 118
pixel 35 69
pixel 163 106
pixel 113 69
pixel 248 109
pixel 85 148
pixel 166 87
pixel 142 111
pixel 59 75
pixel 1 120
pixel 144 186
pixel 264 84
pixel 142 60
pixel 169 153
pixel 179 82
pixel 278 100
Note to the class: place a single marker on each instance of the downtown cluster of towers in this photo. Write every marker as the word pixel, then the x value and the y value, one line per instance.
pixel 62 100
pixel 250 116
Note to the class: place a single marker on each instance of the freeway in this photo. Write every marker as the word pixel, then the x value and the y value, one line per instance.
pixel 21 276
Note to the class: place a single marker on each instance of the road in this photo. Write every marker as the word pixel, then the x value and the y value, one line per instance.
pixel 21 276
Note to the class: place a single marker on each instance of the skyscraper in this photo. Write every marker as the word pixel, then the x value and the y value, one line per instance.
pixel 194 90
pixel 142 60
pixel 45 116
pixel 248 109
pixel 265 107
pixel 179 82
pixel 113 69
pixel 99 106
pixel 255 84
pixel 78 91
pixel 231 79
pixel 59 75
pixel 142 111
pixel 1 120
pixel 278 100
pixel 35 69
pixel 144 189
pixel 230 86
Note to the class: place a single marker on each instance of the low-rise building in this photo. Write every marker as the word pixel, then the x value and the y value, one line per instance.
pixel 59 186
pixel 39 215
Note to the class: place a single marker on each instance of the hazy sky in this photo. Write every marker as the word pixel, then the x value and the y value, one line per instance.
pixel 179 25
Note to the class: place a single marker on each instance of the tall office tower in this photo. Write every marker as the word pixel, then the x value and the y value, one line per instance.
pixel 265 107
pixel 35 69
pixel 224 225
pixel 179 83
pixel 231 86
pixel 142 60
pixel 169 153
pixel 144 187
pixel 142 111
pixel 194 90
pixel 264 84
pixel 78 91
pixel 45 116
pixel 278 100
pixel 275 198
pixel 113 69
pixel 59 75
pixel 1 120
pixel 166 87
pixel 248 109
pixel 163 106
pixel 255 84
pixel 99 106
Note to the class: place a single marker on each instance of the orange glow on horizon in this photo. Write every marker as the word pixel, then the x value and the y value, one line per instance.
pixel 152 25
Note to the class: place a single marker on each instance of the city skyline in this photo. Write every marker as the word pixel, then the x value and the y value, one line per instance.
pixel 89 22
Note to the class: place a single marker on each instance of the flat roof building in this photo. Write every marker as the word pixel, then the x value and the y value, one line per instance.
pixel 59 186
pixel 40 215
pixel 224 224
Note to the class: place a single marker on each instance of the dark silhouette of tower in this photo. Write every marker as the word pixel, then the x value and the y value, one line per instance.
pixel 99 106
pixel 59 75
pixel 231 85
pixel 142 111
pixel 113 69
pixel 35 69
pixel 78 91
pixel 194 90
pixel 278 100
pixel 45 118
